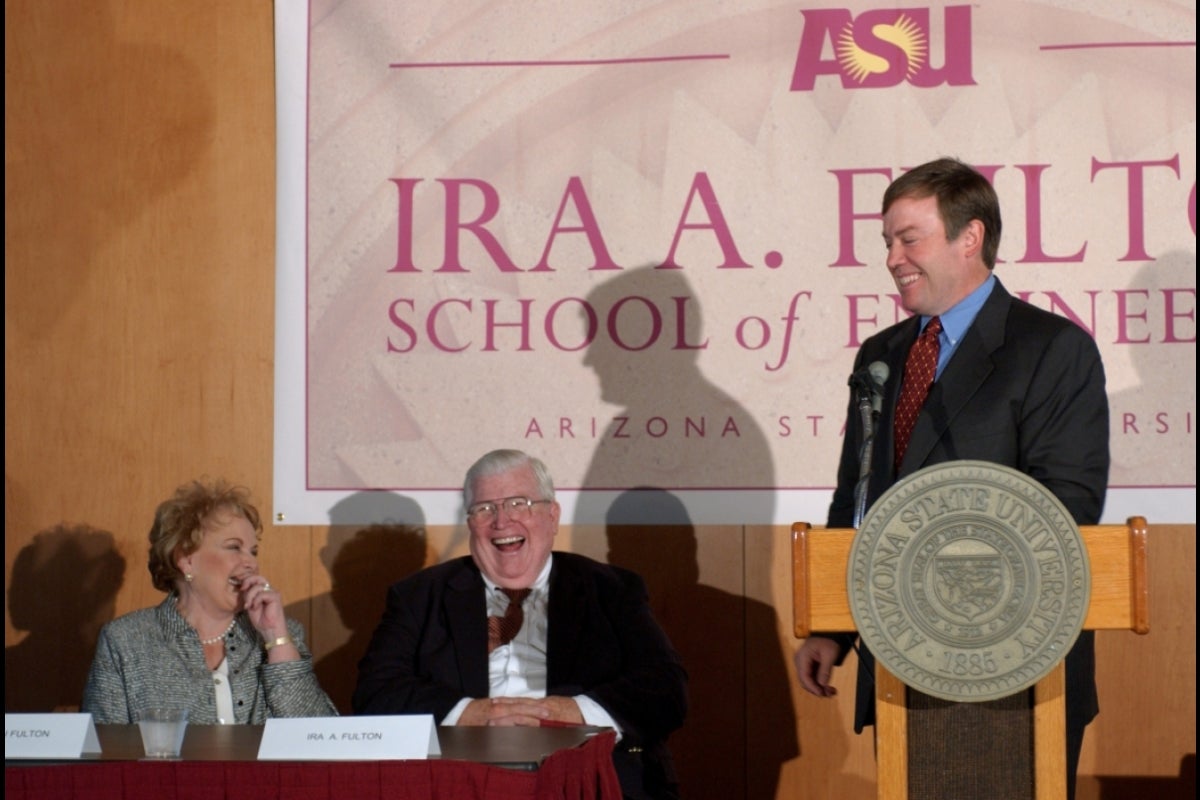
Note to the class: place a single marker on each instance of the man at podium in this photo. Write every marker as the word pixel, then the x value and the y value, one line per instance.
pixel 976 374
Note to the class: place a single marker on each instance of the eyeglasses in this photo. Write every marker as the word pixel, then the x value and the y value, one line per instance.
pixel 517 508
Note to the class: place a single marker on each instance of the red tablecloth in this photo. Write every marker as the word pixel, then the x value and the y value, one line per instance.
pixel 581 773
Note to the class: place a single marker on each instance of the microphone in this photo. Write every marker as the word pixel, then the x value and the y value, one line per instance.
pixel 879 374
pixel 869 381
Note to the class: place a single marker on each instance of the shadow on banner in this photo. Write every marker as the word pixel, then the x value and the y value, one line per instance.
pixel 728 640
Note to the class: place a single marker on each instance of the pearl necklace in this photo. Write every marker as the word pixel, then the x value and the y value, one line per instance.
pixel 216 639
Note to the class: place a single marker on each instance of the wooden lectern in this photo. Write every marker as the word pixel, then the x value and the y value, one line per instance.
pixel 1119 601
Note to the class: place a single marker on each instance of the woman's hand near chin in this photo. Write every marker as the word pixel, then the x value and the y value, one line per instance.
pixel 264 607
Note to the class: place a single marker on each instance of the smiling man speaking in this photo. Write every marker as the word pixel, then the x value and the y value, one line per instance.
pixel 519 635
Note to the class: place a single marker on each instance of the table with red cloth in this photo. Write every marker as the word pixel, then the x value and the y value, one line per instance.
pixel 581 772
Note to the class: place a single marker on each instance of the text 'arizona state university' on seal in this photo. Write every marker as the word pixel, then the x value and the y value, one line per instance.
pixel 969 581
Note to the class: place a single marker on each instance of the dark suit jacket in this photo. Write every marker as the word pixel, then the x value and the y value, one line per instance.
pixel 1024 389
pixel 430 651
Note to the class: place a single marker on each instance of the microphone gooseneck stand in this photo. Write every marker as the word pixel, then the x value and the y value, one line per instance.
pixel 867 415
pixel 867 384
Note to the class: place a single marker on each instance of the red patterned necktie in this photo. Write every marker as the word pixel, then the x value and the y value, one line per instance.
pixel 919 371
pixel 501 630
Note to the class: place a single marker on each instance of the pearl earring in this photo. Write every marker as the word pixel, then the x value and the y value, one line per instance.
pixel 187 576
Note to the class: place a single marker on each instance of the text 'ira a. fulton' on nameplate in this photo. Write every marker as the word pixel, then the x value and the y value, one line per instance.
pixel 396 737
pixel 49 736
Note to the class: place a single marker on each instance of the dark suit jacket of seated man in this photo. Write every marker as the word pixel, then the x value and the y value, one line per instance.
pixel 588 652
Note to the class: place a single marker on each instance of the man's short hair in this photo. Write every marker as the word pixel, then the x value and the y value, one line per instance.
pixel 962 193
pixel 499 461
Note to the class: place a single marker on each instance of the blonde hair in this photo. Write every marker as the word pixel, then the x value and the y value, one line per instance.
pixel 180 522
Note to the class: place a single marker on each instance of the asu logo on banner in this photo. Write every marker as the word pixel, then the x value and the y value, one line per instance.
pixel 883 48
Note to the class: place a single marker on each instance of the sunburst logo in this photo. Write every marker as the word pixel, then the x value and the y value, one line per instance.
pixel 883 47
pixel 904 34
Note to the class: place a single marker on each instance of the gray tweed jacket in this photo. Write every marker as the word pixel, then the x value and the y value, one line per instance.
pixel 152 657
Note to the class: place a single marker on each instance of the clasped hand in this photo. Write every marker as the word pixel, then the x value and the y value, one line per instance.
pixel 530 711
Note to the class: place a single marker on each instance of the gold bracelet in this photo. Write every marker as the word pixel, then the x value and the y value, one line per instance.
pixel 276 642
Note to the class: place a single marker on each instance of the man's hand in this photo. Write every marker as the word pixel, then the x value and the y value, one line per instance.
pixel 520 711
pixel 561 709
pixel 814 665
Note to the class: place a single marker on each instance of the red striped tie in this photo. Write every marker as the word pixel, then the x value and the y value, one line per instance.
pixel 501 630
pixel 919 371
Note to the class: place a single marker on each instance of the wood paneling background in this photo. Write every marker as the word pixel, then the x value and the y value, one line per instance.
pixel 139 295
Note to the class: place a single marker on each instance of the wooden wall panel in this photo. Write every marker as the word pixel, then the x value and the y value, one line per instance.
pixel 139 278
pixel 1143 744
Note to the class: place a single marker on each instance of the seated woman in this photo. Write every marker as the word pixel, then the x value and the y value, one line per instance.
pixel 219 644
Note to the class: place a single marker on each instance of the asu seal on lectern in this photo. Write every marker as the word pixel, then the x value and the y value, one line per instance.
pixel 968 581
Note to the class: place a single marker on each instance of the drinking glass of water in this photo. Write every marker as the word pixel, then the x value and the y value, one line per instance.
pixel 162 731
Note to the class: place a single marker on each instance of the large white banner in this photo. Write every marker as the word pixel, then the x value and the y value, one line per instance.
pixel 641 239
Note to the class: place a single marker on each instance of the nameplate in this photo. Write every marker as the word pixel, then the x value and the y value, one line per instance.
pixel 401 737
pixel 49 736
